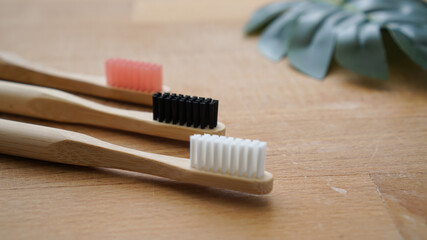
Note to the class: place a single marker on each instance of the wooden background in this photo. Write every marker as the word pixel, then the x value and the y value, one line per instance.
pixel 348 153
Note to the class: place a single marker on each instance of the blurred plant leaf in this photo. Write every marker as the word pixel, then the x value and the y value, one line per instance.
pixel 407 7
pixel 312 47
pixel 274 41
pixel 360 48
pixel 412 40
pixel 313 31
pixel 265 14
pixel 391 17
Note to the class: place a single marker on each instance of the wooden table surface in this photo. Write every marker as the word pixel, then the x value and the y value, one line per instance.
pixel 348 153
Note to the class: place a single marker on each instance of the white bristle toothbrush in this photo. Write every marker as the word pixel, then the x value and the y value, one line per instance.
pixel 125 80
pixel 219 162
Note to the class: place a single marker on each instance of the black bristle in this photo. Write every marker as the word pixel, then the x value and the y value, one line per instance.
pixel 155 105
pixel 181 111
pixel 175 110
pixel 168 110
pixel 213 113
pixel 189 111
pixel 161 108
pixel 196 113
pixel 207 114
pixel 203 114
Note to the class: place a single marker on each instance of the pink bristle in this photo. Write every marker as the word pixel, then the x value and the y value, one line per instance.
pixel 119 74
pixel 138 77
pixel 142 83
pixel 150 80
pixel 147 77
pixel 128 78
pixel 126 74
pixel 156 75
pixel 133 81
pixel 143 79
pixel 134 75
pixel 130 75
pixel 117 68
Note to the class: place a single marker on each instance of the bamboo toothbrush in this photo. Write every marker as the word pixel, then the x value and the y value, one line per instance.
pixel 60 106
pixel 128 81
pixel 215 161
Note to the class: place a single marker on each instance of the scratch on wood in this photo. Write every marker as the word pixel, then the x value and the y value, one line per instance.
pixel 340 190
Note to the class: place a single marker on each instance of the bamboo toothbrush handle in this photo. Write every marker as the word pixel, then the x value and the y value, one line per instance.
pixel 56 145
pixel 16 69
pixel 55 105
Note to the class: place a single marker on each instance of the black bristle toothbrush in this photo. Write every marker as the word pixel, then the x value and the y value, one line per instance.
pixel 174 116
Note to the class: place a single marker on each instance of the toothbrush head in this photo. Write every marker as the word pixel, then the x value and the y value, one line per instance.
pixel 227 155
pixel 232 163
pixel 185 110
pixel 134 75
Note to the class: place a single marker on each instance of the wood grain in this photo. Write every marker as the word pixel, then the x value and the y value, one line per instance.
pixel 405 195
pixel 339 149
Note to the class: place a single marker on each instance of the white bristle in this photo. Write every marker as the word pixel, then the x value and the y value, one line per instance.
pixel 210 155
pixel 252 154
pixel 205 151
pixel 234 155
pixel 243 158
pixel 193 150
pixel 217 154
pixel 261 159
pixel 225 165
pixel 227 155
pixel 201 152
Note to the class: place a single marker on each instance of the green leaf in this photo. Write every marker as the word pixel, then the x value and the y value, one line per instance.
pixel 412 40
pixel 383 17
pixel 266 14
pixel 404 6
pixel 360 48
pixel 274 41
pixel 311 30
pixel 313 44
pixel 374 5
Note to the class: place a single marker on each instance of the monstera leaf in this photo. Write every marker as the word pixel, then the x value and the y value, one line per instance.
pixel 351 31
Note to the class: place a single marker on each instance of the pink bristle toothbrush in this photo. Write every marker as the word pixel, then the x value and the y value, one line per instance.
pixel 125 80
